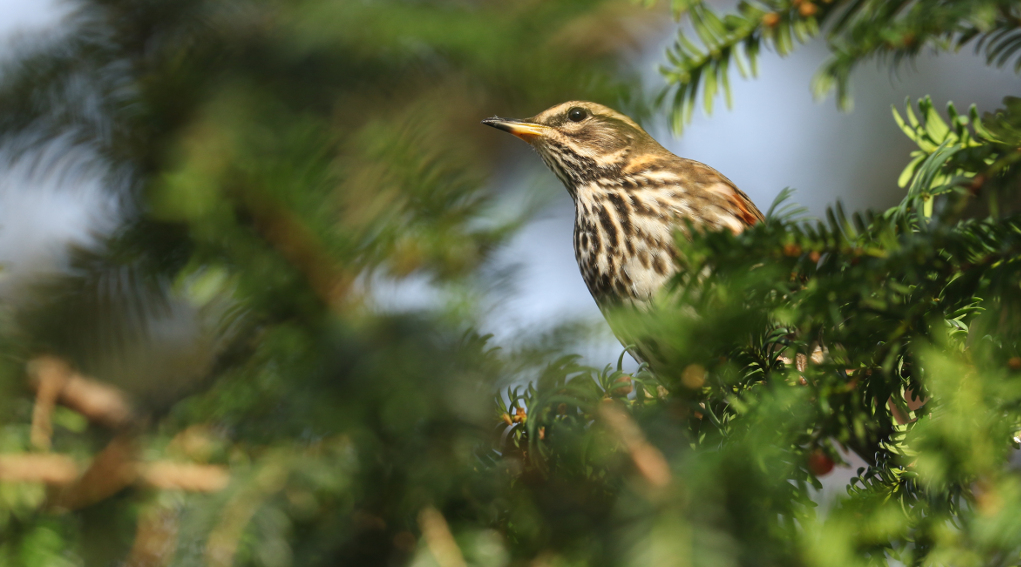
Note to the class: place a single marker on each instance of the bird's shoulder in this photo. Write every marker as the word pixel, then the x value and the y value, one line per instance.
pixel 695 178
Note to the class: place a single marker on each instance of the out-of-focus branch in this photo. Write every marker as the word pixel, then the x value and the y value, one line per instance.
pixel 303 250
pixel 49 375
pixel 48 469
pixel 99 402
pixel 61 471
pixel 439 539
pixel 116 467
pixel 190 477
pixel 111 471
pixel 56 382
pixel 647 459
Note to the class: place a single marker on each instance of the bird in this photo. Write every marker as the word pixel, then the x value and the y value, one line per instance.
pixel 631 195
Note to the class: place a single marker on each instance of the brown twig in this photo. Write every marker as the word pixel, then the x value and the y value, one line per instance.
pixel 189 477
pixel 98 402
pixel 302 249
pixel 647 459
pixel 439 539
pixel 61 471
pixel 56 382
pixel 48 375
pixel 47 469
pixel 116 466
pixel 111 471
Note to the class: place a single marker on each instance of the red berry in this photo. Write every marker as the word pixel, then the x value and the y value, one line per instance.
pixel 819 463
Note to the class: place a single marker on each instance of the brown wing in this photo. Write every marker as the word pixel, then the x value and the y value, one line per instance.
pixel 742 213
pixel 743 206
pixel 736 202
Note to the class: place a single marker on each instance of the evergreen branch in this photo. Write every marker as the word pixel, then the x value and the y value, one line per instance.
pixel 734 40
pixel 858 30
pixel 957 156
pixel 898 30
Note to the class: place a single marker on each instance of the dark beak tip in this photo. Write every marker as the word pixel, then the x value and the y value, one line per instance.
pixel 523 129
pixel 499 123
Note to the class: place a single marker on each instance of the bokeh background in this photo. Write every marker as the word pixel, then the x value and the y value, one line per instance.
pixel 827 155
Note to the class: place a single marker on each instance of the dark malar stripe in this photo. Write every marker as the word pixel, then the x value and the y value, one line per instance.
pixel 562 174
pixel 580 169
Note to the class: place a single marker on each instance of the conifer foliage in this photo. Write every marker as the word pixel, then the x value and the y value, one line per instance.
pixel 211 384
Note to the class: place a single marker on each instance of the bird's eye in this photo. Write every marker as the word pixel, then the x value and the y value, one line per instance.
pixel 577 114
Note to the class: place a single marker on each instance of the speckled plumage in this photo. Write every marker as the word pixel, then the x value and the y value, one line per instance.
pixel 630 196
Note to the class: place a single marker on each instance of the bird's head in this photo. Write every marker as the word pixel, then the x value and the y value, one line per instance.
pixel 580 140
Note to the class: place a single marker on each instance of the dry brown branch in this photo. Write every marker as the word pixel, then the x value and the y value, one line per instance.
pixel 56 382
pixel 99 402
pixel 193 443
pixel 189 477
pixel 438 538
pixel 48 469
pixel 48 375
pixel 115 467
pixel 301 248
pixel 61 470
pixel 111 471
pixel 647 459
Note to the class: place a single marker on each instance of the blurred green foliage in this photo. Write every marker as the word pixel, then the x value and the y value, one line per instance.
pixel 273 159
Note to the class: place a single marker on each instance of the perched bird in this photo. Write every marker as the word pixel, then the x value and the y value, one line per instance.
pixel 630 196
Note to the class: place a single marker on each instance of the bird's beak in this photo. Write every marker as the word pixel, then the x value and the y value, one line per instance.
pixel 523 129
